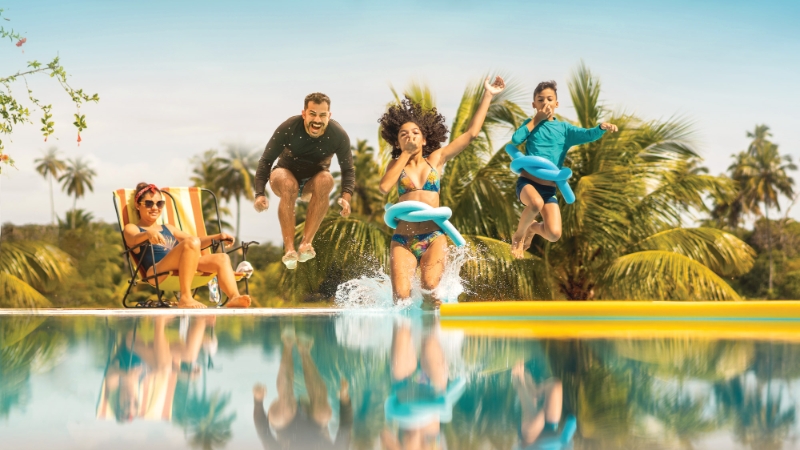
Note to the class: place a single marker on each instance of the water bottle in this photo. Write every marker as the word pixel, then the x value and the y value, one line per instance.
pixel 213 290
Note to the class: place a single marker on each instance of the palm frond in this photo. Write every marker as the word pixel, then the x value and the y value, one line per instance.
pixel 721 252
pixel 15 293
pixel 496 275
pixel 584 88
pixel 662 275
pixel 35 262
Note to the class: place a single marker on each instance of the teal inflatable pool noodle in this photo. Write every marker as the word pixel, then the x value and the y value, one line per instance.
pixel 543 169
pixel 414 211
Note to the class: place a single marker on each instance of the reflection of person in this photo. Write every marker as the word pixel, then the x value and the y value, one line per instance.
pixel 415 135
pixel 549 138
pixel 304 146
pixel 421 398
pixel 141 379
pixel 301 424
pixel 541 402
pixel 173 249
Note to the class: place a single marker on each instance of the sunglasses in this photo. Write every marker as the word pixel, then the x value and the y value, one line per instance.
pixel 149 204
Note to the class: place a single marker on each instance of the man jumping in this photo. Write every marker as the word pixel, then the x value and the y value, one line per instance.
pixel 304 146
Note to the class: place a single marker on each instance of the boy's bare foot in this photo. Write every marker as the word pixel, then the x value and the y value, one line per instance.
pixel 288 336
pixel 517 242
pixel 188 302
pixel 526 244
pixel 240 301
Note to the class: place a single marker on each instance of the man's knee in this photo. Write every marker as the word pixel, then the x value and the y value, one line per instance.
pixel 284 184
pixel 323 183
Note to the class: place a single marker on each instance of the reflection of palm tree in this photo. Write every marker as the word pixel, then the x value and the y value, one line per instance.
pixel 77 178
pixel 758 415
pixel 236 178
pixel 49 166
pixel 205 418
pixel 26 266
pixel 684 415
pixel 21 348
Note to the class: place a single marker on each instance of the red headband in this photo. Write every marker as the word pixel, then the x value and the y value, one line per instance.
pixel 149 188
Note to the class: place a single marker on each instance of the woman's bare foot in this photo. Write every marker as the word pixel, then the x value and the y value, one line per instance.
pixel 240 301
pixel 187 301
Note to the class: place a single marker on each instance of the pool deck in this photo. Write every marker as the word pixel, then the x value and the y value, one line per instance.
pixel 177 311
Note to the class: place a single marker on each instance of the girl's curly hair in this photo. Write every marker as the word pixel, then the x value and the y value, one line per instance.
pixel 429 121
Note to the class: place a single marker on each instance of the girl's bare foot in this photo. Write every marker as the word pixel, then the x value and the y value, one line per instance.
pixel 240 301
pixel 187 301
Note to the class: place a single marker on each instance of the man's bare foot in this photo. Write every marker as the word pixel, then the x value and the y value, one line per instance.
pixel 290 259
pixel 188 302
pixel 306 252
pixel 240 301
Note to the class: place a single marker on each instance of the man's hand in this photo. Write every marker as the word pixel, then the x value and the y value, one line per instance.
pixel 261 204
pixel 495 87
pixel 259 392
pixel 345 204
pixel 608 127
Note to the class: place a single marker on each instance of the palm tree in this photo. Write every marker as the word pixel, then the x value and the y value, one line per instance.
pixel 367 199
pixel 49 166
pixel 77 178
pixel 25 268
pixel 236 178
pixel 766 177
pixel 760 137
pixel 206 173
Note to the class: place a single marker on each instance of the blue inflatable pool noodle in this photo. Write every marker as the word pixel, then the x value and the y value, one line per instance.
pixel 543 169
pixel 415 414
pixel 413 211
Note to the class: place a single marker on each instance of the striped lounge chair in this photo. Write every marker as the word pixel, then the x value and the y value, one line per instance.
pixel 183 210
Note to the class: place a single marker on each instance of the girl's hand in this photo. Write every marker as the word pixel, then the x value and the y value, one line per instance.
pixel 608 127
pixel 494 88
pixel 154 237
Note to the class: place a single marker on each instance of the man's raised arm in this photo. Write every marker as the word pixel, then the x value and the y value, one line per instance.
pixel 272 151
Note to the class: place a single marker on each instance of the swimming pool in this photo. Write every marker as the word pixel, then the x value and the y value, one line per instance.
pixel 373 380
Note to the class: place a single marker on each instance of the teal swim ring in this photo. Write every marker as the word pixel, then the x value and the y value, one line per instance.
pixel 542 168
pixel 413 211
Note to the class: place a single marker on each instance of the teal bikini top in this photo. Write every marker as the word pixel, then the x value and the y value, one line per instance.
pixel 405 184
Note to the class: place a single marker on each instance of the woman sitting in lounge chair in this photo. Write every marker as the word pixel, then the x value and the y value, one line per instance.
pixel 174 249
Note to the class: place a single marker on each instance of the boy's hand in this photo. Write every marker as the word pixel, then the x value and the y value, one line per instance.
pixel 545 113
pixel 608 127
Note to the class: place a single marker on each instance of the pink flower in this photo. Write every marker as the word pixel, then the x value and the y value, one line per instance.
pixel 22 41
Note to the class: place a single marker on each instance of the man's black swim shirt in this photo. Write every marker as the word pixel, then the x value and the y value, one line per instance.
pixel 305 156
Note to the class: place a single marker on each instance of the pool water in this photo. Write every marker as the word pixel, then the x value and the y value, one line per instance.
pixel 369 381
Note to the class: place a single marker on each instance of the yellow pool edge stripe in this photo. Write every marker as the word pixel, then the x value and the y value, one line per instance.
pixel 742 310
pixel 628 329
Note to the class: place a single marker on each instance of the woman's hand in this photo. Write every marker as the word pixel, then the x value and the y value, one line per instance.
pixel 494 88
pixel 225 237
pixel 154 237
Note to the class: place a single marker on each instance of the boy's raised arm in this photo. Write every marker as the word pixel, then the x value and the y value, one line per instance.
pixel 578 135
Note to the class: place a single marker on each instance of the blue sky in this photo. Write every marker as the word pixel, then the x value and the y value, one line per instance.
pixel 177 78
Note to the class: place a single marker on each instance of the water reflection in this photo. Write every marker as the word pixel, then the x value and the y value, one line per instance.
pixel 382 381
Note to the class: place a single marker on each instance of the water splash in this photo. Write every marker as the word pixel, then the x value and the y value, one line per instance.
pixel 375 290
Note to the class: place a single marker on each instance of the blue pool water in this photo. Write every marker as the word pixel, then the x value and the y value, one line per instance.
pixel 388 380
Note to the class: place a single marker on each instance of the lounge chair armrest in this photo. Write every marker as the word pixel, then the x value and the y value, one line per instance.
pixel 244 246
pixel 143 245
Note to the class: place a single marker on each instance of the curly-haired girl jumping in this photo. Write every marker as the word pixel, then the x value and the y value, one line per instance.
pixel 416 135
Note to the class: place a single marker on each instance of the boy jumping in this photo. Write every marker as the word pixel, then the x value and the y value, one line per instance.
pixel 549 138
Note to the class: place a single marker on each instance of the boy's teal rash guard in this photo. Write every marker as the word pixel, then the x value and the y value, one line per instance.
pixel 552 138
